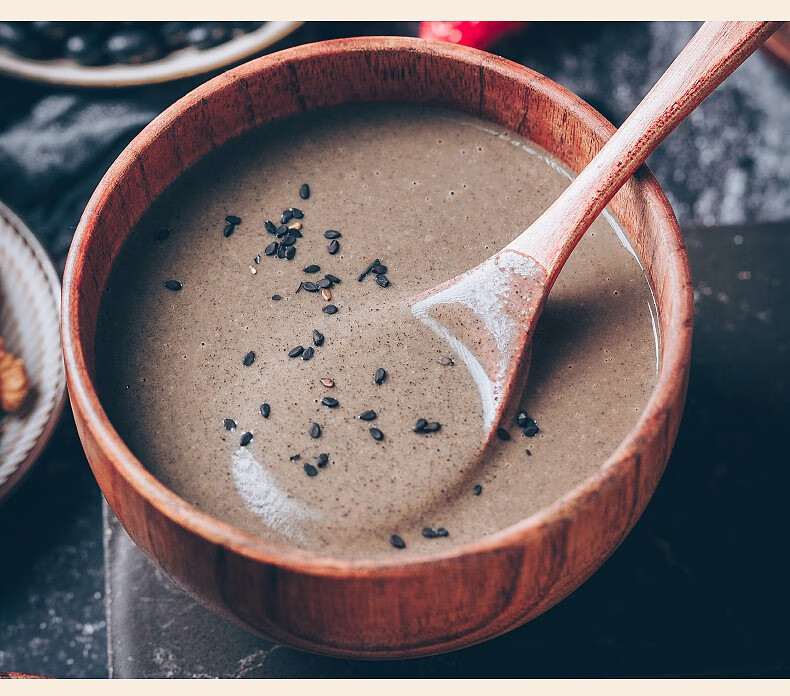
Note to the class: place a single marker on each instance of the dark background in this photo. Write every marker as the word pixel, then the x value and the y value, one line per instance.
pixel 699 587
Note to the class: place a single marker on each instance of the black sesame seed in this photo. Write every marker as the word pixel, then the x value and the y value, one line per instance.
pixel 265 410
pixel 364 273
pixel 312 268
pixel 286 216
pixel 376 434
pixel 281 231
pixel 332 278
pixel 277 298
pixel 297 214
pixel 383 281
pixel 378 269
pixel 322 461
pixel 324 283
pixel 295 457
pixel 329 309
pixel 334 247
pixel 281 252
pixel 332 234
pixel 249 358
pixel 310 287
pixel 246 439
pixel 304 192
pixel 318 337
pixel 380 376
pixel 522 419
pixel 308 353
pixel 531 428
pixel 257 258
pixel 429 533
pixel 419 426
pixel 367 415
pixel 297 233
pixel 289 239
pixel 330 401
pixel 502 434
pixel 233 219
pixel 295 352
pixel 290 253
pixel 397 542
pixel 230 228
pixel 315 431
pixel 442 532
pixel 173 285
pixel 478 489
pixel 310 470
pixel 229 424
pixel 271 250
pixel 432 427
pixel 270 227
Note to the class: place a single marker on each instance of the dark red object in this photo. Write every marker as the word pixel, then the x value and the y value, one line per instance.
pixel 475 34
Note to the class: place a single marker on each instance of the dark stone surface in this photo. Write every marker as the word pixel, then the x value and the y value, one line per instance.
pixel 697 589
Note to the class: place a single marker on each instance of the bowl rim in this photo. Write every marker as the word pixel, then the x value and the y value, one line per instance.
pixel 675 348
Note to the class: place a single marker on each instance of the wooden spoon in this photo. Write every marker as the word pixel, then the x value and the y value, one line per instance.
pixel 488 314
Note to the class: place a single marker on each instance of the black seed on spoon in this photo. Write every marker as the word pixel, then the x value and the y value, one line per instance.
pixel 383 281
pixel 318 337
pixel 522 419
pixel 230 228
pixel 233 219
pixel 295 457
pixel 367 415
pixel 419 426
pixel 378 269
pixel 376 434
pixel 380 376
pixel 266 410
pixel 531 428
pixel 281 251
pixel 324 283
pixel 429 533
pixel 332 278
pixel 246 439
pixel 478 489
pixel 249 358
pixel 322 461
pixel 332 234
pixel 308 353
pixel 310 287
pixel 310 470
pixel 397 542
pixel 329 309
pixel 442 532
pixel 281 231
pixel 334 247
pixel 271 250
pixel 312 268
pixel 270 227
pixel 295 352
pixel 432 427
pixel 289 239
pixel 257 258
pixel 502 434
pixel 277 298
pixel 304 192
pixel 290 253
pixel 286 216
pixel 296 233
pixel 315 431
pixel 330 401
pixel 173 285
pixel 364 273
pixel 296 213
pixel 229 424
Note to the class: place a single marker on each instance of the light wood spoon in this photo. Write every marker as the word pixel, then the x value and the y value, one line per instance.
pixel 488 315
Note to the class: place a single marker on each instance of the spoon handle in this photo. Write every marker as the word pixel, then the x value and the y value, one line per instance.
pixel 711 55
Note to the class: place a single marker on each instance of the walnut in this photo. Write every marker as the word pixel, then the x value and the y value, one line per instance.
pixel 13 380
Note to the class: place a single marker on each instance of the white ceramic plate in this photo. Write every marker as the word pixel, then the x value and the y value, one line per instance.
pixel 30 325
pixel 183 63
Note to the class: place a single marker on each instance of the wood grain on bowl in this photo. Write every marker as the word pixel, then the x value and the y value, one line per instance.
pixel 391 607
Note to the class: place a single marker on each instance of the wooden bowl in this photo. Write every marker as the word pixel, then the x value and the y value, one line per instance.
pixel 392 607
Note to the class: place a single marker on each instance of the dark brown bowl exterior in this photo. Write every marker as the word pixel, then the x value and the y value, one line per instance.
pixel 386 608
